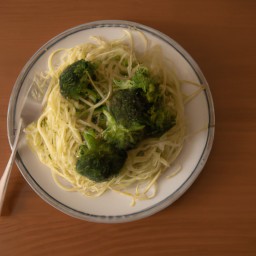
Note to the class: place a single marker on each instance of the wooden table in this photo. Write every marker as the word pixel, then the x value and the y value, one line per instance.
pixel 217 215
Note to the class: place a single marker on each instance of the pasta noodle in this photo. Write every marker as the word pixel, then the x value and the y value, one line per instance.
pixel 56 135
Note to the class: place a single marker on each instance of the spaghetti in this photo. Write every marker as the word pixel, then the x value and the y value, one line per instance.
pixel 56 135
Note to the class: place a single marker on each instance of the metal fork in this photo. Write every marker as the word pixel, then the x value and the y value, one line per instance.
pixel 30 111
pixel 6 175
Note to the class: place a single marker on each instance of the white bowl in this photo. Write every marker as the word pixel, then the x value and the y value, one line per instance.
pixel 112 207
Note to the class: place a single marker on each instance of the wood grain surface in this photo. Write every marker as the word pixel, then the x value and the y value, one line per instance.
pixel 217 215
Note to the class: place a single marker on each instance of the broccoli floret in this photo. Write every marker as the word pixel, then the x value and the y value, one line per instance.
pixel 126 118
pixel 75 81
pixel 120 136
pixel 133 117
pixel 143 80
pixel 98 160
pixel 161 119
pixel 129 106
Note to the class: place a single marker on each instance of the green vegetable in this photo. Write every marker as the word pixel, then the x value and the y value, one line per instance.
pixel 127 118
pixel 145 107
pixel 75 81
pixel 129 107
pixel 121 137
pixel 98 160
pixel 141 80
pixel 161 119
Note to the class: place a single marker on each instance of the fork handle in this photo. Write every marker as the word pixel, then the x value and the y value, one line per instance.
pixel 6 175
